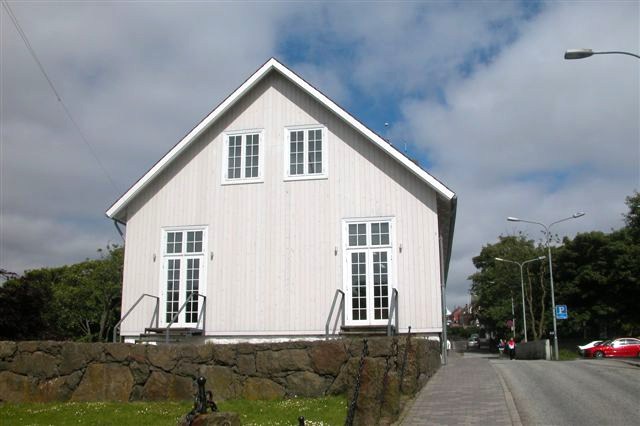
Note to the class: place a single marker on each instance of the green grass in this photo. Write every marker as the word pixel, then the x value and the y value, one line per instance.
pixel 567 354
pixel 317 411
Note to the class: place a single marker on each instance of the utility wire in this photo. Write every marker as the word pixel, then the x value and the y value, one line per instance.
pixel 25 39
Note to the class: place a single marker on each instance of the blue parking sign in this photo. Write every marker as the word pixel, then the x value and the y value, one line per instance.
pixel 561 312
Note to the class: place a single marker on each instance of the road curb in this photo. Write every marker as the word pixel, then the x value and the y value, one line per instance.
pixel 511 405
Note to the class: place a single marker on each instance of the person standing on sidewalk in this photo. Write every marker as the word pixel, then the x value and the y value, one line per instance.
pixel 512 348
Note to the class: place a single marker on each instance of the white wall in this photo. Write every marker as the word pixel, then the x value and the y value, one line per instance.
pixel 274 270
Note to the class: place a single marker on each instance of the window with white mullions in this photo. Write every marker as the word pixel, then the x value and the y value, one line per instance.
pixel 380 233
pixel 296 153
pixel 193 284
pixel 368 245
pixel 380 285
pixel 235 157
pixel 357 234
pixel 173 289
pixel 315 151
pixel 183 275
pixel 174 242
pixel 194 241
pixel 243 157
pixel 306 153
pixel 359 286
pixel 252 156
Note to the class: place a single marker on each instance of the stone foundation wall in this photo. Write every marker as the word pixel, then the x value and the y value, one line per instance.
pixel 44 371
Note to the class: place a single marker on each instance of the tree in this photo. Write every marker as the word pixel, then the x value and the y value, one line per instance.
pixel 599 281
pixel 22 304
pixel 632 218
pixel 496 283
pixel 596 274
pixel 80 301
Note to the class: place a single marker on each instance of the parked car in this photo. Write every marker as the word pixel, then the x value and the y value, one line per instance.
pixel 473 342
pixel 622 347
pixel 582 348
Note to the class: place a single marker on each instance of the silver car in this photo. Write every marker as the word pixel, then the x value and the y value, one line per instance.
pixel 473 342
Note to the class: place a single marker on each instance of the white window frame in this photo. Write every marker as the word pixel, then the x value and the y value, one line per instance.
pixel 225 157
pixel 369 248
pixel 287 150
pixel 183 256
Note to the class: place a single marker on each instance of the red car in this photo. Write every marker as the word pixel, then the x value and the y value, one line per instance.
pixel 622 347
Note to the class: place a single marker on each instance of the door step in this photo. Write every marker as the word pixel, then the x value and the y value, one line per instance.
pixel 176 335
pixel 175 331
pixel 365 330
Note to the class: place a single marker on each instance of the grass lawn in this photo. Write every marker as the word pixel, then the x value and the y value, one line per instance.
pixel 568 354
pixel 317 411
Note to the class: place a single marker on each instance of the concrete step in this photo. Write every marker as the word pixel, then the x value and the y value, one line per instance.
pixel 368 330
pixel 174 331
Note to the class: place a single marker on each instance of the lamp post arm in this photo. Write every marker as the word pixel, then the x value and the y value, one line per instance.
pixel 558 221
pixel 617 53
pixel 508 261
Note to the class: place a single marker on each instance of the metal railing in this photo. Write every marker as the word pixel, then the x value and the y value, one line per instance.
pixel 393 313
pixel 156 314
pixel 340 313
pixel 201 318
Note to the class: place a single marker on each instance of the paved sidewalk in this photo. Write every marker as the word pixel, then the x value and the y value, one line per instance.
pixel 466 391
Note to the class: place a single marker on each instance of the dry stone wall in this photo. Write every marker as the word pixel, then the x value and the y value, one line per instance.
pixel 44 371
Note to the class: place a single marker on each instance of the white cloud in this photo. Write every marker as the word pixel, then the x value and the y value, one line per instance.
pixel 136 77
pixel 523 132
pixel 535 136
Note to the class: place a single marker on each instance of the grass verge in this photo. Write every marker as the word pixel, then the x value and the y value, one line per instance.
pixel 317 411
pixel 567 354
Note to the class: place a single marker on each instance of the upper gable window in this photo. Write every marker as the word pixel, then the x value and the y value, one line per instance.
pixel 243 157
pixel 305 152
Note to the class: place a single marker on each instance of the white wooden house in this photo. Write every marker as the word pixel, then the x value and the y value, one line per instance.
pixel 272 203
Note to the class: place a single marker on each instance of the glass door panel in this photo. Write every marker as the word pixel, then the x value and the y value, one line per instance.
pixel 380 285
pixel 172 289
pixel 359 286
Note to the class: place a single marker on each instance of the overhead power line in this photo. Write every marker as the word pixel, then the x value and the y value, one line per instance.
pixel 25 39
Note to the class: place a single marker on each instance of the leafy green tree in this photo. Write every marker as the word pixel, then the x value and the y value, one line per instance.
pixel 632 218
pixel 599 281
pixel 596 274
pixel 80 301
pixel 22 305
pixel 496 283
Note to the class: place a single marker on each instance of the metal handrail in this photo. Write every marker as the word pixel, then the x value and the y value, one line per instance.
pixel 341 311
pixel 393 312
pixel 175 316
pixel 155 315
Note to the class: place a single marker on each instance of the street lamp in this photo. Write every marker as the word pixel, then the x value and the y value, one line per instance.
pixel 585 53
pixel 553 300
pixel 521 264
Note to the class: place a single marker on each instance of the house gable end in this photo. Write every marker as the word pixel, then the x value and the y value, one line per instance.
pixel 116 210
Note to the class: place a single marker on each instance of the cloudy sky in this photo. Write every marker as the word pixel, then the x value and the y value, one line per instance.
pixel 479 92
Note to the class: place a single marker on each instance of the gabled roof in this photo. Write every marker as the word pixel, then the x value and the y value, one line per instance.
pixel 272 64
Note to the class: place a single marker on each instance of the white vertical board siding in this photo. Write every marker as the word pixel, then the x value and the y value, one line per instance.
pixel 274 268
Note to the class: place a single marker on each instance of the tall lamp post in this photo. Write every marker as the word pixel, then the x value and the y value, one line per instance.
pixel 553 300
pixel 585 53
pixel 521 264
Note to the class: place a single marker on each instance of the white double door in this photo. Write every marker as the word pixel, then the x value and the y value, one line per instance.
pixel 368 278
pixel 183 277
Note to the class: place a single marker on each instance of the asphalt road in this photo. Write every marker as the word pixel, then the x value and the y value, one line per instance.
pixel 581 392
